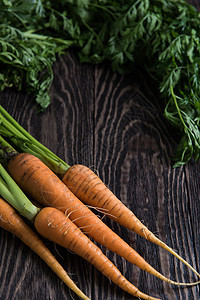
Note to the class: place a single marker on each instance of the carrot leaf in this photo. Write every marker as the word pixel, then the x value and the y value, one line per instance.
pixel 161 37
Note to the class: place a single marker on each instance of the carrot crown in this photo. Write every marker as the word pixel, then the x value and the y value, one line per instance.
pixel 11 192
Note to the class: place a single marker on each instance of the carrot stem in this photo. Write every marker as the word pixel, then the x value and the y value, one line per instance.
pixel 27 143
pixel 5 145
pixel 6 150
pixel 10 191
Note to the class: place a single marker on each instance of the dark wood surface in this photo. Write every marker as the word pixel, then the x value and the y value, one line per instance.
pixel 113 124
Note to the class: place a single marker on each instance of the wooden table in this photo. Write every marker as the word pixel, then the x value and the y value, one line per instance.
pixel 113 124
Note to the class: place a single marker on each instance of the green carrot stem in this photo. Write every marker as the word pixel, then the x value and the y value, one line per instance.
pixel 6 151
pixel 11 192
pixel 27 143
pixel 31 35
pixel 6 146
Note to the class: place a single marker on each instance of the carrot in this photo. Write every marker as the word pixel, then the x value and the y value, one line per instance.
pixel 37 180
pixel 52 224
pixel 90 189
pixel 12 222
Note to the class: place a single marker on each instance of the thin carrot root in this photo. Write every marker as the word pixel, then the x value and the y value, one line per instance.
pixel 90 189
pixel 12 222
pixel 37 180
pixel 52 224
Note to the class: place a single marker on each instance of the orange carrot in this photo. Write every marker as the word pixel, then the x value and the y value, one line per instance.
pixel 12 222
pixel 89 188
pixel 52 224
pixel 37 180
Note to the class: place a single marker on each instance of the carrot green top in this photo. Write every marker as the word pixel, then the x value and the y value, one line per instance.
pixel 27 143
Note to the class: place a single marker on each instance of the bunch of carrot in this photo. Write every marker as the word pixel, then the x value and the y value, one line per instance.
pixel 65 219
pixel 54 225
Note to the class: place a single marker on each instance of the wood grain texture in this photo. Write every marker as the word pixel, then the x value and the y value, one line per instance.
pixel 113 124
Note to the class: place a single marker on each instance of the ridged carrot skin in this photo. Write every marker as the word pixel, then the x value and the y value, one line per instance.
pixel 52 224
pixel 90 189
pixel 39 182
pixel 12 222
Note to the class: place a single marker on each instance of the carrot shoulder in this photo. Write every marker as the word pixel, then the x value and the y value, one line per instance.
pixel 12 222
pixel 37 180
pixel 52 224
